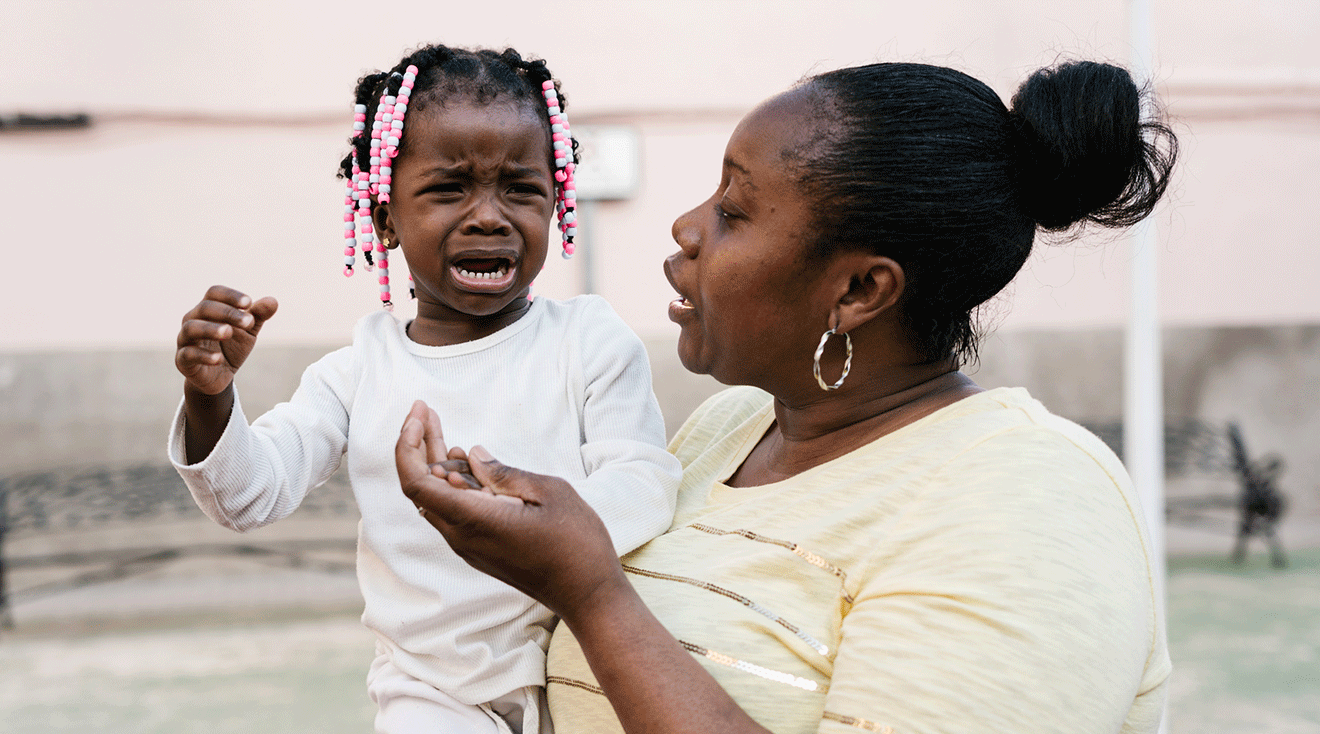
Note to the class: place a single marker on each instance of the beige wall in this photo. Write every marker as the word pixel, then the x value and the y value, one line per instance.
pixel 219 125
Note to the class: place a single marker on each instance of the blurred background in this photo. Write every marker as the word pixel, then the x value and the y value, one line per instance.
pixel 154 148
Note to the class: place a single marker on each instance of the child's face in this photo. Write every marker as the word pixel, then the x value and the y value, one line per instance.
pixel 470 204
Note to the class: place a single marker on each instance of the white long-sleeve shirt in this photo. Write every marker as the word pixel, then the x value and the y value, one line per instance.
pixel 564 391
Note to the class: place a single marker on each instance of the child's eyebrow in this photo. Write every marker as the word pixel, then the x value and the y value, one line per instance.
pixel 524 171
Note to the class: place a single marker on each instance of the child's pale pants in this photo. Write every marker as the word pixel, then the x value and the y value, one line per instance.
pixel 405 705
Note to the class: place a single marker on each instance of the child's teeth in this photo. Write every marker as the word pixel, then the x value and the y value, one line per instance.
pixel 496 275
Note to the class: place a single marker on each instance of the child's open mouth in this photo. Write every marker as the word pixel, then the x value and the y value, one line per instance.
pixel 485 275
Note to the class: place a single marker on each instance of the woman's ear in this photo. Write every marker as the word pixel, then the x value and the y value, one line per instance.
pixel 875 286
pixel 384 224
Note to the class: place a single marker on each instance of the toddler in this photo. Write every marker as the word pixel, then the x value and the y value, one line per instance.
pixel 466 193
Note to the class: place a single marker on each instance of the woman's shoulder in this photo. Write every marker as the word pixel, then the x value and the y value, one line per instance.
pixel 1009 419
pixel 1010 464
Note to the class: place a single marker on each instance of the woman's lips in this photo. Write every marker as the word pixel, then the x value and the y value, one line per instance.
pixel 496 281
pixel 680 310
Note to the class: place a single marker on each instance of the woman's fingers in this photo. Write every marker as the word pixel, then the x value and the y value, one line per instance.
pixel 500 479
pixel 457 473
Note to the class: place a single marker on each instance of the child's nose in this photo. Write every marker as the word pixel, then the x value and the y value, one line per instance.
pixel 487 217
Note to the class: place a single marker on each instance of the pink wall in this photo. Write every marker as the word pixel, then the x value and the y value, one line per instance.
pixel 220 125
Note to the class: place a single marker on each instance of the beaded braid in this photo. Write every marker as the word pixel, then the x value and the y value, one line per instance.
pixel 391 93
pixel 386 134
pixel 562 140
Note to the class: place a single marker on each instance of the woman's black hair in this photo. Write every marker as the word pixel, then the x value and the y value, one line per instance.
pixel 482 76
pixel 927 166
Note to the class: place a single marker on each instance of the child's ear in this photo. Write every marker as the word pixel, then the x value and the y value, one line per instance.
pixel 383 224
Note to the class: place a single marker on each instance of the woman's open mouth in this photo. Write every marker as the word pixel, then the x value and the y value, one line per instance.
pixel 485 274
pixel 681 309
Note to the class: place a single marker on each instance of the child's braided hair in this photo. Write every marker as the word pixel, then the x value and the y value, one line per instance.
pixel 433 74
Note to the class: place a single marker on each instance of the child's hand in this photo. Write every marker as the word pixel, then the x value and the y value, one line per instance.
pixel 218 335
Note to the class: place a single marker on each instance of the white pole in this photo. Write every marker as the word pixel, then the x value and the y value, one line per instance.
pixel 1143 409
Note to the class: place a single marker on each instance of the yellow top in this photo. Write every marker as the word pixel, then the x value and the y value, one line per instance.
pixel 983 569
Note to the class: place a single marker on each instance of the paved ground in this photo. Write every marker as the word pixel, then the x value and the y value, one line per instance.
pixel 279 650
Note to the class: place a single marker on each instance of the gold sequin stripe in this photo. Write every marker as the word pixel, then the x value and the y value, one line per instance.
pixel 859 723
pixel 815 644
pixel 746 667
pixel 794 548
pixel 574 683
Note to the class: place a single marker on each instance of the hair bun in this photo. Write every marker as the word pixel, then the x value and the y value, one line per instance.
pixel 1084 153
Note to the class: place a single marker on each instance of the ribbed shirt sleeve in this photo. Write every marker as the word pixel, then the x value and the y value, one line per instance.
pixel 258 474
pixel 632 480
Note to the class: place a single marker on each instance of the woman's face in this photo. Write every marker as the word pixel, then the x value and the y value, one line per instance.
pixel 749 309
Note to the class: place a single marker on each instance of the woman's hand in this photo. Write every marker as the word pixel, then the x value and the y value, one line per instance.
pixel 536 534
pixel 531 531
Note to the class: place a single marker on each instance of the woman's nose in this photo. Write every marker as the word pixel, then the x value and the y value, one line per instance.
pixel 687 233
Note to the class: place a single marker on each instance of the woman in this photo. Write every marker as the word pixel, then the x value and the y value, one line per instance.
pixel 865 539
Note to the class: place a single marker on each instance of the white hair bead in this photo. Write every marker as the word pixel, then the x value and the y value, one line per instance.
pixel 348 260
pixel 384 188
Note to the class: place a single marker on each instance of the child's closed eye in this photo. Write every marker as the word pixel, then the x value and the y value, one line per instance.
pixel 527 189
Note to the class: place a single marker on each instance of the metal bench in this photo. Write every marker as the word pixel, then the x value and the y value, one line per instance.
pixel 1197 448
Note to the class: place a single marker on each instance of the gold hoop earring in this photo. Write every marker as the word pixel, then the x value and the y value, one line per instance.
pixel 847 361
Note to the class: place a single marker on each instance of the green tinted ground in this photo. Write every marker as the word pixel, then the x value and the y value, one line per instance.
pixel 1245 642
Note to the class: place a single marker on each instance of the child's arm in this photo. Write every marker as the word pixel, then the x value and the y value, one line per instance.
pixel 216 338
pixel 245 476
pixel 632 480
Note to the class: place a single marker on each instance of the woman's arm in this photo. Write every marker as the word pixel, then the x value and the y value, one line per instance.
pixel 551 546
